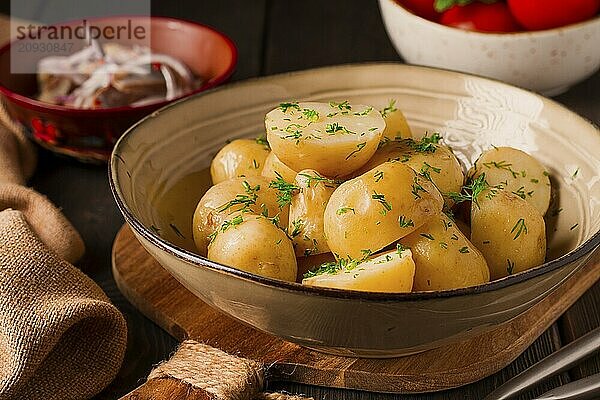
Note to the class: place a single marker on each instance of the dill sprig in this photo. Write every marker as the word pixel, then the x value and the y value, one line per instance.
pixel 285 190
pixel 343 106
pixel 235 221
pixel 244 200
pixel 520 192
pixel 472 191
pixel 384 203
pixel 426 168
pixel 519 228
pixel 318 178
pixel 298 226
pixel 344 210
pixel 390 108
pixel 427 144
pixel 311 115
pixel 501 165
pixel 284 107
pixel 405 222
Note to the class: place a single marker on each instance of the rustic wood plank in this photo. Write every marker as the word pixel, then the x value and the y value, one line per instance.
pixel 581 318
pixel 243 21
pixel 311 33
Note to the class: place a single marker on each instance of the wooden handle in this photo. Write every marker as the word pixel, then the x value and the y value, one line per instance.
pixel 167 389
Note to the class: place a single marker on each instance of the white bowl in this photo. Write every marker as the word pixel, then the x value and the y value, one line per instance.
pixel 153 159
pixel 548 61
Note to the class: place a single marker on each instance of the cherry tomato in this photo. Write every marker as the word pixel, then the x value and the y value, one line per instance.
pixel 423 8
pixel 477 16
pixel 547 14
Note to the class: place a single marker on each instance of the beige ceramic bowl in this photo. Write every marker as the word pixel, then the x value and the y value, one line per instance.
pixel 156 177
pixel 548 61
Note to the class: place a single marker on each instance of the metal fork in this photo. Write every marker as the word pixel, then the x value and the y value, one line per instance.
pixel 559 361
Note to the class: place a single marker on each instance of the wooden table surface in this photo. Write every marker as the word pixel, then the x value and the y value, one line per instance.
pixel 273 37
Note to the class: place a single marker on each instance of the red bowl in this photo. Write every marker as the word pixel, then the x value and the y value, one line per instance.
pixel 89 134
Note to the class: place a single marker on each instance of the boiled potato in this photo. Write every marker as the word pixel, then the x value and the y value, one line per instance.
pixel 220 202
pixel 444 257
pixel 517 172
pixel 274 166
pixel 240 158
pixel 254 244
pixel 509 231
pixel 426 157
pixel 390 272
pixel 395 122
pixel 331 138
pixel 367 213
pixel 306 213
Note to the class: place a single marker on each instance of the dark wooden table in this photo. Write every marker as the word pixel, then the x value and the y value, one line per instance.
pixel 272 37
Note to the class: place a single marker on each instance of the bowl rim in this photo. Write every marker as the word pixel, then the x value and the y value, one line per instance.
pixel 522 34
pixel 38 105
pixel 588 247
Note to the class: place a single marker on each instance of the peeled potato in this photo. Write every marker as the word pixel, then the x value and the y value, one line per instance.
pixel 444 257
pixel 395 122
pixel 331 138
pixel 509 231
pixel 390 272
pixel 240 158
pixel 517 172
pixel 432 160
pixel 222 201
pixel 367 213
pixel 254 244
pixel 306 213
pixel 274 166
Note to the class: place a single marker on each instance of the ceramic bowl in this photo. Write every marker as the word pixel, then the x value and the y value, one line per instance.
pixel 90 134
pixel 152 164
pixel 548 61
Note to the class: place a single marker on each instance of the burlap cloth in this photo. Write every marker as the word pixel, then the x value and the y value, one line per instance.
pixel 60 337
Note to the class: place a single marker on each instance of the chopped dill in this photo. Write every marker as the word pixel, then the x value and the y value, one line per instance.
pixel 284 107
pixel 519 228
pixel 381 199
pixel 285 190
pixel 390 108
pixel 405 222
pixel 344 210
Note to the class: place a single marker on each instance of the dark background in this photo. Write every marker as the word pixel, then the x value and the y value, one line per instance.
pixel 273 37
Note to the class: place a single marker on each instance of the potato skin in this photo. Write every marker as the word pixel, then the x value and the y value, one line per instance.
pixel 241 157
pixel 306 213
pixel 509 231
pixel 517 172
pixel 444 258
pixel 334 142
pixel 377 208
pixel 441 165
pixel 274 166
pixel 211 212
pixel 390 272
pixel 396 125
pixel 257 246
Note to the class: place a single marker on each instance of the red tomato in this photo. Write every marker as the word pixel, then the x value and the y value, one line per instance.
pixel 423 8
pixel 547 14
pixel 477 16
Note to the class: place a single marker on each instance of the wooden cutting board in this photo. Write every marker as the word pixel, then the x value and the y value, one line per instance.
pixel 161 298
